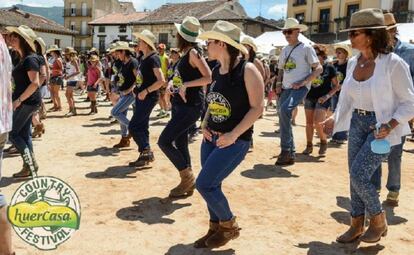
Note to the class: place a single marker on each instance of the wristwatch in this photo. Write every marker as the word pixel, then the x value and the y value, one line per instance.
pixel 19 100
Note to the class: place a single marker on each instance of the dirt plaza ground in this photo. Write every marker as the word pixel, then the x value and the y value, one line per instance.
pixel 298 209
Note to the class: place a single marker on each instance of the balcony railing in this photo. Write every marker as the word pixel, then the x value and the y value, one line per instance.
pixel 321 1
pixel 79 12
pixel 299 2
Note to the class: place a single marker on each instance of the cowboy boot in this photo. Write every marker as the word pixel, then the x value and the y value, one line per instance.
pixel 23 173
pixel 123 143
pixel 377 228
pixel 74 112
pixel 323 148
pixel 309 149
pixel 354 232
pixel 93 105
pixel 186 186
pixel 285 159
pixel 146 157
pixel 95 108
pixel 227 231
pixel 201 243
pixel 38 130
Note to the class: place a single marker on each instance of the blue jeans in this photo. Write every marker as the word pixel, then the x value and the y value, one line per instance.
pixel 217 164
pixel 3 140
pixel 394 169
pixel 343 135
pixel 183 117
pixel 120 112
pixel 21 134
pixel 362 163
pixel 288 101
pixel 139 123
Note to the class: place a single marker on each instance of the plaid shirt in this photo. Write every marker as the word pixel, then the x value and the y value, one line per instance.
pixel 6 109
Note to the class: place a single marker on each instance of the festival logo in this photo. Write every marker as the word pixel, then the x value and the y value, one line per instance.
pixel 121 79
pixel 317 82
pixel 45 212
pixel 290 65
pixel 139 80
pixel 340 76
pixel 219 107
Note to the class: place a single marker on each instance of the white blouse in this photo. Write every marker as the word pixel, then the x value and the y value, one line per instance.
pixel 392 95
pixel 360 91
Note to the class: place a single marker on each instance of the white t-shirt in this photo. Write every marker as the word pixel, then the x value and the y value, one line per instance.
pixel 299 64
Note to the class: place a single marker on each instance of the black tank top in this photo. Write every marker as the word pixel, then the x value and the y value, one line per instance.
pixel 186 72
pixel 228 101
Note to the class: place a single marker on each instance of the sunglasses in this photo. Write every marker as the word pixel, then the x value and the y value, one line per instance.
pixel 355 33
pixel 288 32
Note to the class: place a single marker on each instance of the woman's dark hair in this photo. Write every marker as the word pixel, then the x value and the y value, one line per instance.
pixel 321 51
pixel 380 41
pixel 24 46
pixel 234 54
pixel 57 53
pixel 38 48
pixel 252 55
pixel 182 43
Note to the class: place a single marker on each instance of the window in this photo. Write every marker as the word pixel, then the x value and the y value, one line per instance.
pixel 72 9
pixel 84 28
pixel 72 25
pixel 299 2
pixel 122 29
pixel 84 10
pixel 101 29
pixel 102 43
pixel 123 38
pixel 163 38
pixel 349 11
pixel 324 18
pixel 57 42
pixel 300 17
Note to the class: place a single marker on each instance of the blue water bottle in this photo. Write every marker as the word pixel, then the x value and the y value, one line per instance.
pixel 380 146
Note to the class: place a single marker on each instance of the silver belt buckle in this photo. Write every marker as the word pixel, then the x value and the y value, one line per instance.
pixel 362 112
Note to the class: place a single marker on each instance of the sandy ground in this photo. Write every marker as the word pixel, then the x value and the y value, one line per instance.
pixel 298 209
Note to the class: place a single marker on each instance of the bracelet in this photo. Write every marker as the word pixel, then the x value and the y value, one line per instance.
pixel 388 125
pixel 147 90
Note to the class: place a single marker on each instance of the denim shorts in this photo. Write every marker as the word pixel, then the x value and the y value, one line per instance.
pixel 312 104
pixel 71 83
pixel 56 80
pixel 90 88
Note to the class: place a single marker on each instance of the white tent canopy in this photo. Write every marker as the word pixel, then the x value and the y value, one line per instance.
pixel 406 32
pixel 269 40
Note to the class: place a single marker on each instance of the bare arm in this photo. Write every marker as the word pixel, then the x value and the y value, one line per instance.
pixel 317 69
pixel 201 64
pixel 259 65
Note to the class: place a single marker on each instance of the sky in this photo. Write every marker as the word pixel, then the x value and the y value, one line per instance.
pixel 269 8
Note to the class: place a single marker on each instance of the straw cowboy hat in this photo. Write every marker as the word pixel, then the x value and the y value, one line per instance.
pixel 249 41
pixel 344 47
pixel 189 29
pixel 42 44
pixel 123 46
pixel 93 49
pixel 390 21
pixel 367 19
pixel 53 47
pixel 226 32
pixel 94 58
pixel 112 47
pixel 292 23
pixel 69 50
pixel 148 37
pixel 26 33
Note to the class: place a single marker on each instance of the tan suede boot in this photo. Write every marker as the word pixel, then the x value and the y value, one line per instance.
pixel 186 186
pixel 354 232
pixel 201 243
pixel 227 231
pixel 123 143
pixel 377 228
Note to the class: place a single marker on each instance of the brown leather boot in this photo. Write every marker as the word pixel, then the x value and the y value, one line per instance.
pixel 285 159
pixel 39 130
pixel 201 243
pixel 24 173
pixel 308 150
pixel 186 186
pixel 354 232
pixel 227 231
pixel 123 143
pixel 323 147
pixel 377 228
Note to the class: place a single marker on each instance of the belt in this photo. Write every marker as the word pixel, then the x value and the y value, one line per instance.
pixel 364 112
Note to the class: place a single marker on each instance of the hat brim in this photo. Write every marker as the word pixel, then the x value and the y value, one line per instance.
pixel 146 39
pixel 186 37
pixel 27 38
pixel 124 48
pixel 302 28
pixel 50 50
pixel 224 38
pixel 359 28
pixel 251 45
pixel 392 26
pixel 347 49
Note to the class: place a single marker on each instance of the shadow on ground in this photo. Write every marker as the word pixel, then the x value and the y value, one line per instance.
pixel 116 172
pixel 261 171
pixel 188 249
pixel 320 248
pixel 101 151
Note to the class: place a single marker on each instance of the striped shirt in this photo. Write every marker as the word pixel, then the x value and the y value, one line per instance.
pixel 6 109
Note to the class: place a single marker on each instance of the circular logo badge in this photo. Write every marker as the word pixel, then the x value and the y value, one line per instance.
pixel 45 212
pixel 219 107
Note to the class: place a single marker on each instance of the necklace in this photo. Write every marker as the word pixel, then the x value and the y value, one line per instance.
pixel 363 64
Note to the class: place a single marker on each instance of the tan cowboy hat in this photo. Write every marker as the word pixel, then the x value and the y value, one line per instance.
pixel 26 33
pixel 94 58
pixel 344 47
pixel 112 47
pixel 292 23
pixel 226 32
pixel 148 37
pixel 93 49
pixel 53 47
pixel 42 44
pixel 274 58
pixel 122 46
pixel 249 41
pixel 175 50
pixel 69 50
pixel 370 18
pixel 390 21
pixel 189 29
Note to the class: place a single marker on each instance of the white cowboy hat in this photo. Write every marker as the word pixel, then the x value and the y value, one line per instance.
pixel 249 41
pixel 26 33
pixel 122 46
pixel 370 18
pixel 292 23
pixel 189 29
pixel 148 37
pixel 344 47
pixel 53 47
pixel 42 44
pixel 226 32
